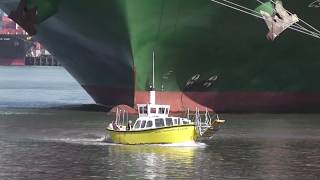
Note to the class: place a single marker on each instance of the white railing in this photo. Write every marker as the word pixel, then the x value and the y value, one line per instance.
pixel 122 118
pixel 203 122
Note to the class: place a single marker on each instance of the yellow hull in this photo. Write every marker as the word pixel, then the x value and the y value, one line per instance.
pixel 166 135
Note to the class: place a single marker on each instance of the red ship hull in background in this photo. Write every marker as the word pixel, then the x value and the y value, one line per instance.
pixel 14 43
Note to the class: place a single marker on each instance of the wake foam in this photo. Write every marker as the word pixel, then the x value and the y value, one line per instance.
pixel 186 144
pixel 106 141
pixel 103 141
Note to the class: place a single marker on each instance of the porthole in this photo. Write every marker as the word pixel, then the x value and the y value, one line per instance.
pixel 207 84
pixel 195 77
pixel 192 80
pixel 213 78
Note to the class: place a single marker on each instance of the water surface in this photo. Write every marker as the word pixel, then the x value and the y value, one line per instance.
pixel 57 144
pixel 42 143
pixel 39 87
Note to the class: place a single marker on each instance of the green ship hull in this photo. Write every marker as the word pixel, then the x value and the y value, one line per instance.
pixel 206 54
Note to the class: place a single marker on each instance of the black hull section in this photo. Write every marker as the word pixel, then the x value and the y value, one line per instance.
pixel 110 97
pixel 97 54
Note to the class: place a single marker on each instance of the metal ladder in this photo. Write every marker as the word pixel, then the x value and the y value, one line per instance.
pixel 206 128
pixel 202 126
pixel 122 118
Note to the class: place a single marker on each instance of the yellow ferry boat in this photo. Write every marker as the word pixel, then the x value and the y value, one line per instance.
pixel 155 126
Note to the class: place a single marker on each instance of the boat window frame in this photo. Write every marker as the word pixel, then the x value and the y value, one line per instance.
pixel 153 110
pixel 155 122
pixel 145 110
pixel 135 124
pixel 148 123
pixel 161 110
pixel 175 121
pixel 184 121
pixel 142 126
pixel 169 119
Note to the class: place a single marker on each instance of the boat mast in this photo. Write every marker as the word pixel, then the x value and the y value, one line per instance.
pixel 152 92
pixel 153 70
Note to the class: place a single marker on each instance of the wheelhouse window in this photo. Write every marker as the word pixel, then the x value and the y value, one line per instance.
pixel 161 110
pixel 159 122
pixel 149 124
pixel 143 110
pixel 167 111
pixel 153 110
pixel 169 122
pixel 137 124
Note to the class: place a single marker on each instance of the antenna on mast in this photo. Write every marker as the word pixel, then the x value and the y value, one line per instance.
pixel 152 93
pixel 153 87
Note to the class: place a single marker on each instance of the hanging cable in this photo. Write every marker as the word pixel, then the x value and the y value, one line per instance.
pixel 301 20
pixel 298 18
pixel 251 12
pixel 243 7
pixel 302 30
pixel 216 1
pixel 160 25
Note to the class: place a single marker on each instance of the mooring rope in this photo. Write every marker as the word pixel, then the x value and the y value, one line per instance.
pixel 251 12
pixel 258 14
pixel 298 25
pixel 301 20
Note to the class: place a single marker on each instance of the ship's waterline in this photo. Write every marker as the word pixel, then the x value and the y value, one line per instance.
pixel 237 102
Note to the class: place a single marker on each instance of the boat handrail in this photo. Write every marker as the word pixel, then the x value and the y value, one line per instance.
pixel 122 118
pixel 204 122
